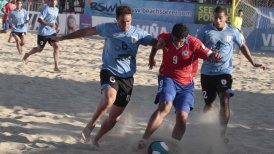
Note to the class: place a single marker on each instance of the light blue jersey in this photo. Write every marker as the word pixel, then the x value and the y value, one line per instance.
pixel 50 15
pixel 19 19
pixel 221 42
pixel 120 49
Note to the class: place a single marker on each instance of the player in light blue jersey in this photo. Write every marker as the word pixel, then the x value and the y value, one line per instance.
pixel 119 65
pixel 18 19
pixel 216 76
pixel 48 27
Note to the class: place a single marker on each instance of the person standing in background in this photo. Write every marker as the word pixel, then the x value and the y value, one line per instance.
pixel 237 22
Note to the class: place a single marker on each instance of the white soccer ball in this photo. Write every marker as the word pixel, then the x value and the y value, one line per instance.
pixel 158 147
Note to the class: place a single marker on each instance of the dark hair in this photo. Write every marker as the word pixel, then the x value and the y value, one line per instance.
pixel 180 31
pixel 240 10
pixel 19 1
pixel 220 9
pixel 123 10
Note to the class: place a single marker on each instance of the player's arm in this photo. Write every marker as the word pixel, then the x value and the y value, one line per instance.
pixel 10 19
pixel 3 10
pixel 248 56
pixel 214 56
pixel 159 45
pixel 204 53
pixel 44 22
pixel 77 34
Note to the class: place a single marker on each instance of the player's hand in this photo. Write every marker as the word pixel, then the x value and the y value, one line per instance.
pixel 151 62
pixel 214 56
pixel 259 65
pixel 12 26
pixel 52 25
pixel 57 30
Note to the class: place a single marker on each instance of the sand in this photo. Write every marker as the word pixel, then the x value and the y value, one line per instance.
pixel 44 112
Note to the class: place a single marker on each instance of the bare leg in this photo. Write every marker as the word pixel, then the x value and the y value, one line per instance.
pixel 109 123
pixel 22 40
pixel 18 43
pixel 108 98
pixel 56 54
pixel 224 112
pixel 10 37
pixel 155 121
pixel 209 107
pixel 180 126
pixel 32 51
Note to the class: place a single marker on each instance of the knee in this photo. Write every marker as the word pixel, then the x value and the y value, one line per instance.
pixel 114 120
pixel 181 117
pixel 107 103
pixel 56 49
pixel 165 107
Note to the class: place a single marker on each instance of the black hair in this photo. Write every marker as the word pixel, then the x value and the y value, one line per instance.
pixel 180 31
pixel 123 10
pixel 220 9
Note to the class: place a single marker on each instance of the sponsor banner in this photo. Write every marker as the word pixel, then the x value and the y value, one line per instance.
pixel 265 19
pixel 264 41
pixel 204 13
pixel 152 27
pixel 68 23
pixel 85 21
pixel 98 20
pixel 144 10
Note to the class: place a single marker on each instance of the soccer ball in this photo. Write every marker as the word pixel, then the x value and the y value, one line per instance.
pixel 158 147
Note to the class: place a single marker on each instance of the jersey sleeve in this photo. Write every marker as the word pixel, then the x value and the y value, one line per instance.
pixel 238 37
pixel 146 38
pixel 164 36
pixel 200 49
pixel 101 29
pixel 43 13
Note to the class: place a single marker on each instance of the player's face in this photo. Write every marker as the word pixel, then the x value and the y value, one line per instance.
pixel 241 14
pixel 178 42
pixel 219 20
pixel 124 22
pixel 53 2
pixel 19 5
pixel 71 22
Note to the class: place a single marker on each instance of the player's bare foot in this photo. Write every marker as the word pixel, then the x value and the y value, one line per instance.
pixel 57 70
pixel 25 58
pixel 86 133
pixel 142 144
pixel 96 143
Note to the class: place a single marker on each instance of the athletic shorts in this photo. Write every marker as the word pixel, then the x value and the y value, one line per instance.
pixel 42 40
pixel 20 34
pixel 169 90
pixel 214 84
pixel 123 86
pixel 6 25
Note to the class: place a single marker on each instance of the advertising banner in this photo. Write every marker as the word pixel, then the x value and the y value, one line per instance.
pixel 204 13
pixel 144 10
pixel 264 19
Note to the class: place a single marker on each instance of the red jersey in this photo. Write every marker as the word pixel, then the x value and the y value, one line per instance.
pixel 181 64
pixel 8 8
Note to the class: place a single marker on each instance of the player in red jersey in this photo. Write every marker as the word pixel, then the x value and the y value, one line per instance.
pixel 181 52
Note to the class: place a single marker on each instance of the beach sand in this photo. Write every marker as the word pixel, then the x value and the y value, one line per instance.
pixel 44 112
